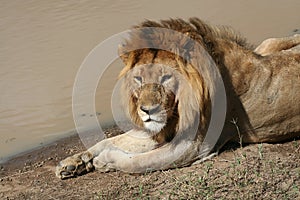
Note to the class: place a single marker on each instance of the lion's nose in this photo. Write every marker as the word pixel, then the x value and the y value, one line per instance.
pixel 150 109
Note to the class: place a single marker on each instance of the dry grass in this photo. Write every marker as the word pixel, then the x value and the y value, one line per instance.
pixel 249 173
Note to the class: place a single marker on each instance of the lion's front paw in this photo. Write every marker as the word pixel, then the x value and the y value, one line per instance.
pixel 75 165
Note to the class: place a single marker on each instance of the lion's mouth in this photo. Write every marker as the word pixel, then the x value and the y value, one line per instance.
pixel 153 125
pixel 153 122
pixel 148 120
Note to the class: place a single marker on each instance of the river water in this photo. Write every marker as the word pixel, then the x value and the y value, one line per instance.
pixel 43 44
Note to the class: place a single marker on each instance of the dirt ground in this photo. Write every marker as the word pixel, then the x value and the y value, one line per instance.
pixel 259 171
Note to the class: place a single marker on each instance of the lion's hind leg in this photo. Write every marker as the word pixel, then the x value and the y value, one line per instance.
pixel 75 165
pixel 274 45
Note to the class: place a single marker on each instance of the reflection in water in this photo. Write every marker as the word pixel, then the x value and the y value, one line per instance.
pixel 43 44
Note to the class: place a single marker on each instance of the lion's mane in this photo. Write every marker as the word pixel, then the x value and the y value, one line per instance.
pixel 198 104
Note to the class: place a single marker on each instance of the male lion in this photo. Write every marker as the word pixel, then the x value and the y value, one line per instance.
pixel 170 99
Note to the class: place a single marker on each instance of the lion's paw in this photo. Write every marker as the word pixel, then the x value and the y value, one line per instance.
pixel 75 165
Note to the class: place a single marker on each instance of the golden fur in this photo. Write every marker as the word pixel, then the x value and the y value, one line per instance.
pixel 181 116
pixel 262 88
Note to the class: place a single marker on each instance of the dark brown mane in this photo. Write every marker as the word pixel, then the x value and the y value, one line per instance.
pixel 199 30
pixel 207 35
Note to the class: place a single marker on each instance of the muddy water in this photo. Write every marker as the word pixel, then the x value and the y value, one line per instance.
pixel 43 43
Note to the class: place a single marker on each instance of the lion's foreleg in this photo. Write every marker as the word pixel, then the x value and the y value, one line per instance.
pixel 79 163
pixel 132 142
pixel 168 156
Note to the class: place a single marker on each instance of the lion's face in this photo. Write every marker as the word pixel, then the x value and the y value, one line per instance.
pixel 153 88
pixel 162 93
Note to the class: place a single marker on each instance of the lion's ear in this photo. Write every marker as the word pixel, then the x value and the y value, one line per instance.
pixel 123 53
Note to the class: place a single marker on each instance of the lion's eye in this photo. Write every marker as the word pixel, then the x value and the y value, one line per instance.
pixel 165 79
pixel 138 79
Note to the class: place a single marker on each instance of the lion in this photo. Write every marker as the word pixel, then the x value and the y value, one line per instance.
pixel 170 100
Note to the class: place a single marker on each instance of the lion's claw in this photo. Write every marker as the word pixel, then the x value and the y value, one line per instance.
pixel 75 165
pixel 71 168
